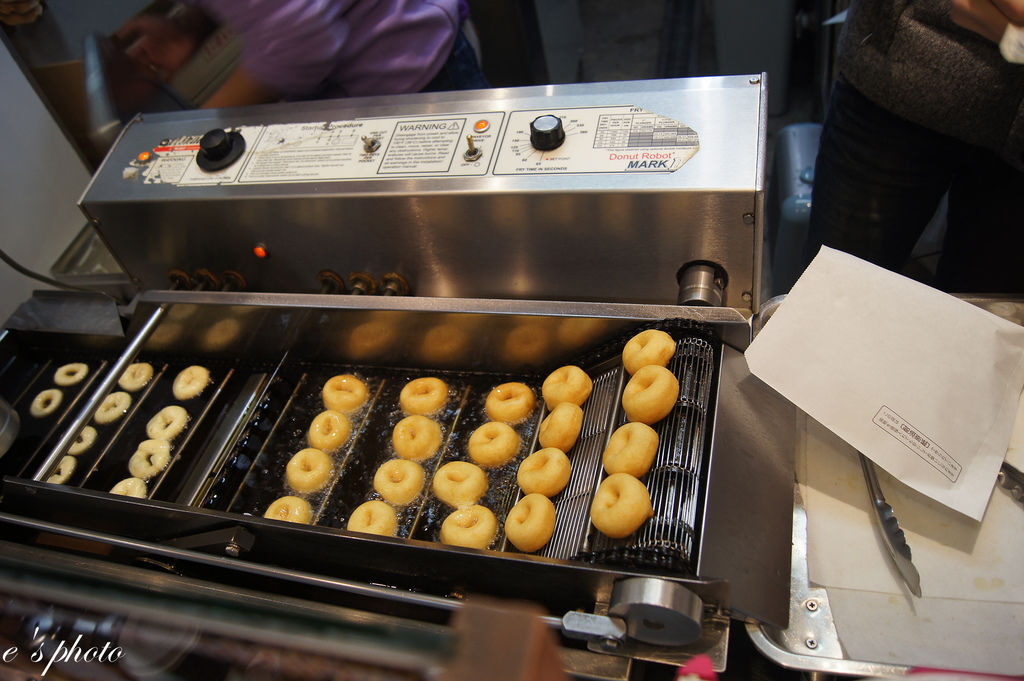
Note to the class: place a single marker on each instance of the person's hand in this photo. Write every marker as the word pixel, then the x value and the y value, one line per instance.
pixel 988 18
pixel 14 12
pixel 158 43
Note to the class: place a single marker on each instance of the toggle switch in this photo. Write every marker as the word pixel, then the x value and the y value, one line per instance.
pixel 473 153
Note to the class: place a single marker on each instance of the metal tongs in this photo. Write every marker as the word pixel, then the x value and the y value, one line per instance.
pixel 895 540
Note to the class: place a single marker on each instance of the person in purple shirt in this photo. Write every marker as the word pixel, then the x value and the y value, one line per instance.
pixel 316 49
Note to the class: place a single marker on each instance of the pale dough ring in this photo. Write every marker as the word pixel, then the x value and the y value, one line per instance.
pixel 374 517
pixel 423 396
pixel 566 384
pixel 344 393
pixel 416 438
pixel 84 440
pixel 64 470
pixel 546 472
pixel 561 427
pixel 631 449
pixel 493 444
pixel 650 395
pixel 509 402
pixel 136 376
pixel 308 470
pixel 167 424
pixel 531 523
pixel 621 505
pixel 190 382
pixel 70 374
pixel 149 459
pixel 329 430
pixel 46 402
pixel 399 481
pixel 130 487
pixel 459 483
pixel 291 509
pixel 647 348
pixel 113 407
pixel 473 527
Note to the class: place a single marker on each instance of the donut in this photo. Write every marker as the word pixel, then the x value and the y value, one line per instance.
pixel 291 509
pixel 167 424
pixel 546 472
pixel 631 450
pixel 650 347
pixel 473 527
pixel 416 438
pixel 399 481
pixel 46 402
pixel 531 523
pixel 70 374
pixel 344 393
pixel 459 483
pixel 423 396
pixel 510 402
pixel 308 470
pixel 113 407
pixel 374 517
pixel 566 384
pixel 329 430
pixel 650 395
pixel 621 505
pixel 561 427
pixel 136 376
pixel 130 487
pixel 493 444
pixel 149 459
pixel 84 440
pixel 63 471
pixel 190 382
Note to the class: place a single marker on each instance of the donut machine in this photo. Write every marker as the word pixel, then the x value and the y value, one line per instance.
pixel 478 237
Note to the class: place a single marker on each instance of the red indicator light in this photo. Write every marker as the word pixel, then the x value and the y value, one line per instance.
pixel 144 156
pixel 260 251
pixel 481 126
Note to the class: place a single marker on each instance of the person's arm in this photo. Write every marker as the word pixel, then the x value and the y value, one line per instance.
pixel 988 18
pixel 240 89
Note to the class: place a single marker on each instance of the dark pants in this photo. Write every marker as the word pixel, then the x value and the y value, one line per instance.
pixel 879 178
pixel 461 71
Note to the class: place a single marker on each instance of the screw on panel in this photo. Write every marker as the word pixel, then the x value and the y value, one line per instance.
pixel 755 80
pixel 811 605
pixel 747 296
pixel 811 643
pixel 748 218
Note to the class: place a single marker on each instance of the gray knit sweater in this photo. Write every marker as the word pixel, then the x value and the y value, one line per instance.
pixel 910 58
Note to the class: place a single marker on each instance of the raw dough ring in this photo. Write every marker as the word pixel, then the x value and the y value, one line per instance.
pixel 423 396
pixel 329 430
pixel 63 471
pixel 167 424
pixel 561 427
pixel 473 527
pixel 509 402
pixel 374 517
pixel 136 376
pixel 650 394
pixel 545 472
pixel 149 459
pixel 46 402
pixel 621 505
pixel 493 444
pixel 344 393
pixel 84 440
pixel 70 374
pixel 566 384
pixel 459 483
pixel 113 407
pixel 650 347
pixel 308 470
pixel 399 481
pixel 130 487
pixel 290 509
pixel 416 438
pixel 631 449
pixel 190 382
pixel 531 523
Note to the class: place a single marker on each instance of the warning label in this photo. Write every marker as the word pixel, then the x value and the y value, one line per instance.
pixel 917 442
pixel 423 146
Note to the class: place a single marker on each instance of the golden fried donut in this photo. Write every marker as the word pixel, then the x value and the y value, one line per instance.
pixel 472 526
pixel 130 487
pixel 546 472
pixel 631 450
pixel 531 523
pixel 621 505
pixel 416 438
pixel 509 402
pixel 423 396
pixel 493 444
pixel 46 402
pixel 459 483
pixel 70 374
pixel 650 394
pixel 308 470
pixel 84 440
pixel 399 481
pixel 566 384
pixel 561 427
pixel 136 376
pixel 113 407
pixel 150 457
pixel 374 517
pixel 344 393
pixel 291 509
pixel 190 382
pixel 329 430
pixel 63 471
pixel 650 347
pixel 167 424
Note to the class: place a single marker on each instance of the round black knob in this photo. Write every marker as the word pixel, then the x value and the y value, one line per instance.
pixel 218 149
pixel 546 132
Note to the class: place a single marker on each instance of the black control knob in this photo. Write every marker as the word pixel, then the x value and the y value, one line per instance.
pixel 219 148
pixel 546 132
